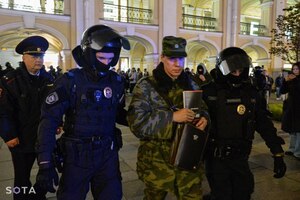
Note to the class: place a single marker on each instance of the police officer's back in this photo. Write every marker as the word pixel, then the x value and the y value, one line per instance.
pixel 236 112
pixel 92 100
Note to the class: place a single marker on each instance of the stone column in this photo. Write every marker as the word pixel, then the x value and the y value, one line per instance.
pixel 66 60
pixel 266 16
pixel 278 7
pixel 169 14
pixel 67 9
pixel 151 61
pixel 89 13
pixel 217 13
pixel 79 25
pixel 232 24
pixel 154 7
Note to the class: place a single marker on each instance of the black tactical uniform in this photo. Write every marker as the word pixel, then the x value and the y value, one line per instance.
pixel 236 112
pixel 21 98
pixel 92 100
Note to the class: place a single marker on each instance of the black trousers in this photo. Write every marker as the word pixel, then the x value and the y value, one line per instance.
pixel 90 165
pixel 229 179
pixel 23 189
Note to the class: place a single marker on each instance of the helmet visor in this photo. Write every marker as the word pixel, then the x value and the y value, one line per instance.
pixel 106 37
pixel 234 62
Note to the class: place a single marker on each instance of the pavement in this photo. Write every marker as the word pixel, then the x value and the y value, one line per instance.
pixel 261 162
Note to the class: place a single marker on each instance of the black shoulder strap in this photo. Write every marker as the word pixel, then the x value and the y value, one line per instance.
pixel 163 95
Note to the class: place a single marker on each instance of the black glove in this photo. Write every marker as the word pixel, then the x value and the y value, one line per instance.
pixel 58 155
pixel 279 167
pixel 46 177
pixel 118 138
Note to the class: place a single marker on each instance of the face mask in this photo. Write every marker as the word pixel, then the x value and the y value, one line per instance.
pixel 234 79
pixel 92 62
pixel 100 67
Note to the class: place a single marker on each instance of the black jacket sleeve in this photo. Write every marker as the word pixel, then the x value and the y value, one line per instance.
pixel 7 123
pixel 265 127
pixel 53 109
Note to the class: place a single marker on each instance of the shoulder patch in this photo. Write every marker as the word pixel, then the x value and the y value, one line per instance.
pixel 52 98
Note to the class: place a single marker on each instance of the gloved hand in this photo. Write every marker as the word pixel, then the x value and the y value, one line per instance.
pixel 46 177
pixel 118 138
pixel 279 167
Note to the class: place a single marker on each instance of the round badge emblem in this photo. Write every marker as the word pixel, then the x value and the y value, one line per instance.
pixel 241 109
pixel 107 92
pixel 52 98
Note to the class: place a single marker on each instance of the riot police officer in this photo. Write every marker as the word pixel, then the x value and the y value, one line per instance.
pixel 236 112
pixel 92 99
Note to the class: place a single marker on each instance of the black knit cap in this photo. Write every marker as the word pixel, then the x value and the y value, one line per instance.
pixel 34 45
pixel 174 46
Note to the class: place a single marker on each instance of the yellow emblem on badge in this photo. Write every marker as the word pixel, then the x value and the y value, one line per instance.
pixel 241 109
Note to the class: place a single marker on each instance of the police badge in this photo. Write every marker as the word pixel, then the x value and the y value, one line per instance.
pixel 107 92
pixel 241 109
pixel 52 98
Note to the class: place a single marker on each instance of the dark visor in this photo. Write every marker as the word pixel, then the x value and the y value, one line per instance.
pixel 102 38
pixel 234 62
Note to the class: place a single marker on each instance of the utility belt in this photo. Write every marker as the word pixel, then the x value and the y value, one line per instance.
pixel 230 152
pixel 83 152
pixel 95 141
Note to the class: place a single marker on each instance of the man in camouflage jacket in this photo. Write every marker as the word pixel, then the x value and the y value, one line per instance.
pixel 154 120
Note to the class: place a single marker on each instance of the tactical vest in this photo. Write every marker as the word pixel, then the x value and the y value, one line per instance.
pixel 232 115
pixel 94 105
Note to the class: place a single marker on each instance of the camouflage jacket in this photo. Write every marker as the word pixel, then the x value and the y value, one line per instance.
pixel 150 118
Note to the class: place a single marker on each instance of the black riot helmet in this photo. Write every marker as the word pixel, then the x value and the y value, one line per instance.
pixel 231 59
pixel 99 38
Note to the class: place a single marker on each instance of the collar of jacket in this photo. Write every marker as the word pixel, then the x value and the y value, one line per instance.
pixel 165 83
pixel 43 74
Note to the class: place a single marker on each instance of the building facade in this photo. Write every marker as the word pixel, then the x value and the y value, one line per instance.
pixel 208 25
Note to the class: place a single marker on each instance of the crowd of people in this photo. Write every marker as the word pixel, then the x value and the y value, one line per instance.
pixel 77 115
pixel 8 68
pixel 131 77
pixel 55 73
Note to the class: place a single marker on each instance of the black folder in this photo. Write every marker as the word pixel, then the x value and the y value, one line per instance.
pixel 191 148
pixel 189 144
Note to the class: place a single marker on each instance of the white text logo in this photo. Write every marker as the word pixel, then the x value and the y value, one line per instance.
pixel 18 190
